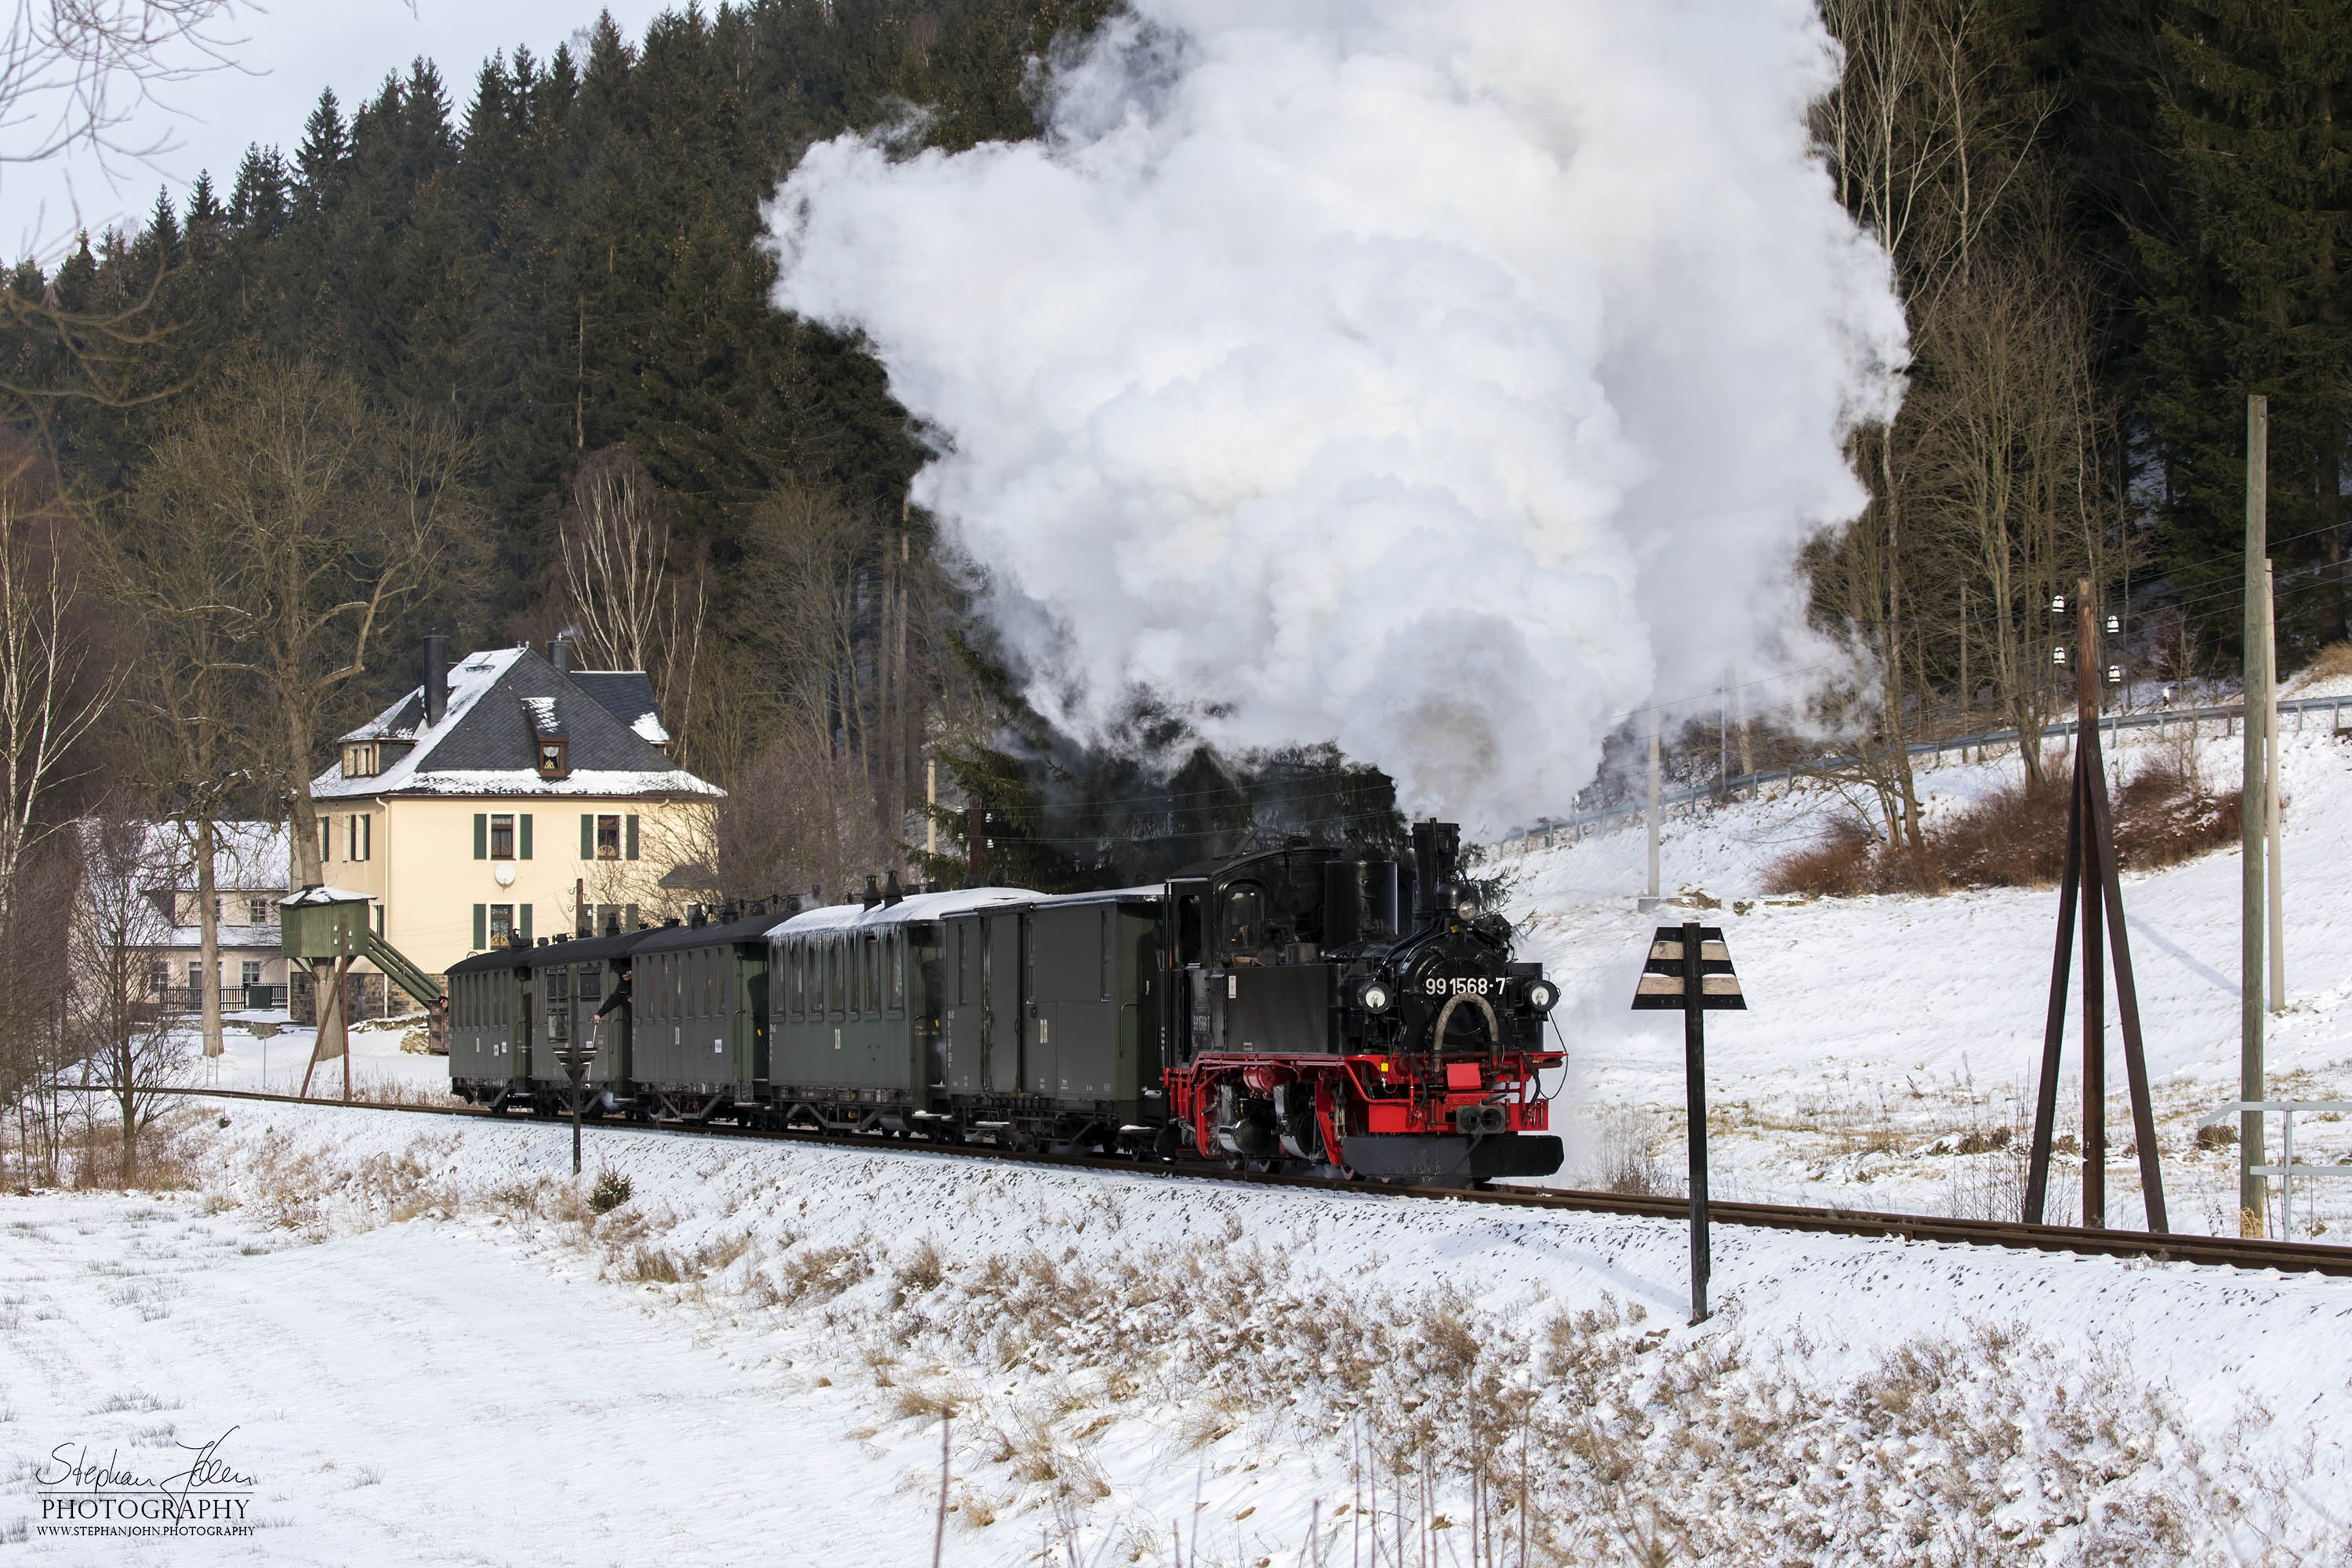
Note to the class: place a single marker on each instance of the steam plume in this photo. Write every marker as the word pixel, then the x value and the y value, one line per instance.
pixel 1441 379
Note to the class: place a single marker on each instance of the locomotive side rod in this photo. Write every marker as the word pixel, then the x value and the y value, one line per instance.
pixel 2235 1252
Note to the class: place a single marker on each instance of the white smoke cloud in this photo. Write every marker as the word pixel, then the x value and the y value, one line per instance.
pixel 1441 379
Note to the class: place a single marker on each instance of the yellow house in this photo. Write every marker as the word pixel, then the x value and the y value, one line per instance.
pixel 509 793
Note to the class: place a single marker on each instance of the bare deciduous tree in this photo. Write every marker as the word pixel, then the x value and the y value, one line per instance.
pixel 75 73
pixel 53 688
pixel 328 514
pixel 115 1023
pixel 189 688
pixel 631 606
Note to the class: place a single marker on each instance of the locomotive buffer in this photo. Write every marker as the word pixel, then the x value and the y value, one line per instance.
pixel 1689 970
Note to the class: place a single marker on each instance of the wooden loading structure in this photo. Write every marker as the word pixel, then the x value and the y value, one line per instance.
pixel 326 929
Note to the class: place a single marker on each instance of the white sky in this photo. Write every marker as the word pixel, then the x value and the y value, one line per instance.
pixel 289 51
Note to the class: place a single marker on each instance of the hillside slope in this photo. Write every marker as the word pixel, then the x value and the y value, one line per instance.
pixel 1884 1031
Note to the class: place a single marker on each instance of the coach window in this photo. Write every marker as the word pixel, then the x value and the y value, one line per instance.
pixel 894 958
pixel 849 954
pixel 872 972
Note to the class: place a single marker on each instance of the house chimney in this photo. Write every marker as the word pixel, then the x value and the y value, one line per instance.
pixel 559 654
pixel 436 676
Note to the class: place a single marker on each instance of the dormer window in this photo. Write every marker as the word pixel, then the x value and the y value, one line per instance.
pixel 552 761
pixel 361 760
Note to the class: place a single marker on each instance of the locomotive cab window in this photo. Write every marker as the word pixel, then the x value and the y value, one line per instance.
pixel 1245 918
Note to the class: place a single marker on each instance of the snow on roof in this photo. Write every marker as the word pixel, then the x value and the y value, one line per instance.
pixel 320 894
pixel 647 727
pixel 543 719
pixel 1106 896
pixel 247 856
pixel 526 781
pixel 474 677
pixel 229 938
pixel 916 907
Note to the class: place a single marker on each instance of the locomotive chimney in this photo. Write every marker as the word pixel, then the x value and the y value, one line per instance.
pixel 1437 856
pixel 436 676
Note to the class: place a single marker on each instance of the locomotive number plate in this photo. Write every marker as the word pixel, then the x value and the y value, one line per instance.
pixel 1442 985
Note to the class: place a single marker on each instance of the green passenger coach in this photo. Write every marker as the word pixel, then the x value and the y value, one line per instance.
pixel 492 1030
pixel 698 1043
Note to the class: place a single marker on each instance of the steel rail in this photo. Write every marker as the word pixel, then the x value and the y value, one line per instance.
pixel 2230 1251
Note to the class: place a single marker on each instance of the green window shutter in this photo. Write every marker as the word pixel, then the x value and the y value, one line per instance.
pixel 481 913
pixel 481 839
pixel 526 835
pixel 587 835
pixel 629 916
pixel 630 824
pixel 524 914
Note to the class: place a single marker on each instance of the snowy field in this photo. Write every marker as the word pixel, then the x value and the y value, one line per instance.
pixel 421 1346
pixel 1884 1032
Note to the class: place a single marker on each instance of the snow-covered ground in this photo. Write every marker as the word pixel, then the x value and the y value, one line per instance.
pixel 420 1345
pixel 1882 1033
pixel 263 1051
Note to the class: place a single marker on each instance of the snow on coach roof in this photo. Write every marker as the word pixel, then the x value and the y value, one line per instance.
pixel 940 906
pixel 914 907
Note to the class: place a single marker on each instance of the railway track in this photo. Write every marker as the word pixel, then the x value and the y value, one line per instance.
pixel 2229 1251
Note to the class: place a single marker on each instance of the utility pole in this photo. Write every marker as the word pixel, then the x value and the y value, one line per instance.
pixel 932 799
pixel 2272 864
pixel 1653 806
pixel 2252 814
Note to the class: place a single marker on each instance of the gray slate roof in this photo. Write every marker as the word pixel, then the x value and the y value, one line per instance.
pixel 485 743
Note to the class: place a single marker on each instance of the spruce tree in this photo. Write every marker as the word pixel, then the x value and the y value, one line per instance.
pixel 2247 295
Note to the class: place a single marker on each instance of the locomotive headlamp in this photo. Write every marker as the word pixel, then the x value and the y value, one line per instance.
pixel 1374 996
pixel 1541 996
pixel 1467 908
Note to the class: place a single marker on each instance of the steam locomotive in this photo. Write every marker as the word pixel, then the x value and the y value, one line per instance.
pixel 1304 1008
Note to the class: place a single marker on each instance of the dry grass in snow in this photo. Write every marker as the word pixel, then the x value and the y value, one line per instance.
pixel 1097 1363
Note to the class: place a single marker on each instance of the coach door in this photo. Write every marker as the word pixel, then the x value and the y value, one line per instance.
pixel 1183 946
pixel 1003 1012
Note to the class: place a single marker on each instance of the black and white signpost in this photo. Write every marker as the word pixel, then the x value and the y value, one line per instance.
pixel 1689 970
